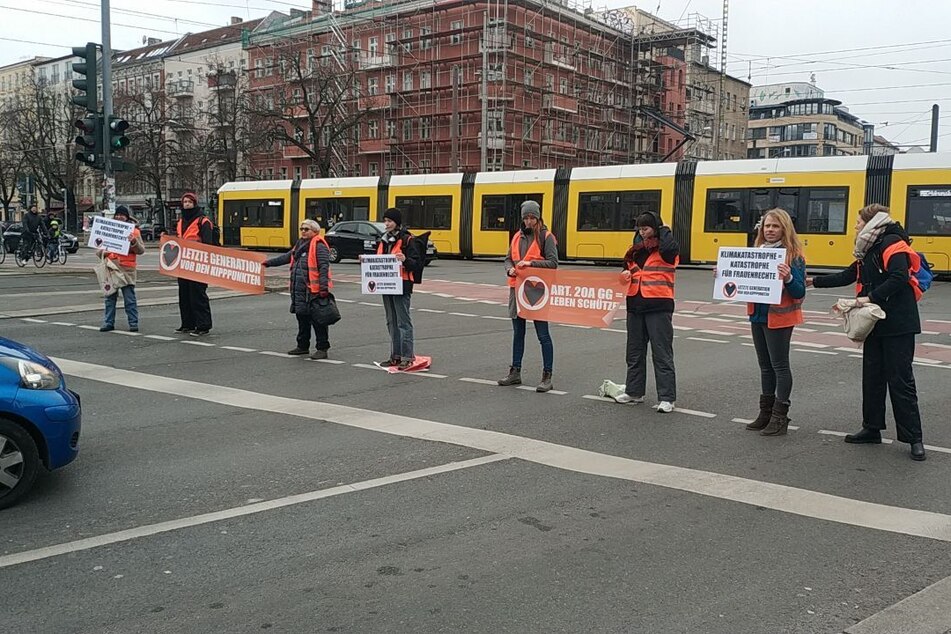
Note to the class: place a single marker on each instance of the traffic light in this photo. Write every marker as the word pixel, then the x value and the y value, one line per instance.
pixel 117 137
pixel 89 68
pixel 89 143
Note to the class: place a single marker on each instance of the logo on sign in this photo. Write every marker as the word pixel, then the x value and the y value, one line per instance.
pixel 371 285
pixel 171 255
pixel 533 293
pixel 729 290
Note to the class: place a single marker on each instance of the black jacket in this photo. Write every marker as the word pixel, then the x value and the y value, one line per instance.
pixel 300 273
pixel 205 230
pixel 32 223
pixel 889 288
pixel 669 250
pixel 413 263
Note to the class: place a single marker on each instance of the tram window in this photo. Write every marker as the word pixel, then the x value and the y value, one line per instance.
pixel 615 211
pixel 929 210
pixel 259 213
pixel 788 200
pixel 727 210
pixel 500 213
pixel 824 210
pixel 329 211
pixel 426 212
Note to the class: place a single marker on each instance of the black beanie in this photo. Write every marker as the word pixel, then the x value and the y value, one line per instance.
pixel 122 210
pixel 395 215
pixel 648 219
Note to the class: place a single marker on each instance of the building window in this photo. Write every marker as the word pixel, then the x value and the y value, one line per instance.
pixel 373 129
pixel 425 79
pixel 408 80
pixel 563 86
pixel 529 42
pixel 390 83
pixel 408 44
pixel 426 212
pixel 298 173
pixel 259 68
pixel 408 130
pixel 495 72
pixel 614 211
pixel 325 55
pixel 929 210
pixel 425 127
pixel 549 82
pixel 425 166
pixel 374 169
pixel 529 77
pixel 425 42
pixel 390 129
pixel 373 46
pixel 456 38
pixel 373 86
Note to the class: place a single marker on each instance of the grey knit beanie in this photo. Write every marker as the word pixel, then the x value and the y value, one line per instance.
pixel 531 208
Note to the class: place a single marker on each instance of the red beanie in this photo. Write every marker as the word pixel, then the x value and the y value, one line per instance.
pixel 190 195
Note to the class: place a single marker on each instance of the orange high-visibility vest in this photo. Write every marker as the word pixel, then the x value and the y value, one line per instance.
pixel 655 279
pixel 533 253
pixel 914 265
pixel 127 261
pixel 783 315
pixel 192 232
pixel 397 248
pixel 313 269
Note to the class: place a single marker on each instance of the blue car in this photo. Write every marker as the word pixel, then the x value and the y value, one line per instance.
pixel 40 419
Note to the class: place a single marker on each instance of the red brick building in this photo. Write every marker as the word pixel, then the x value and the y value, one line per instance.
pixel 561 87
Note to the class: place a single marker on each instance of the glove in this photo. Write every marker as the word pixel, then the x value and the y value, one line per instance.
pixel 323 294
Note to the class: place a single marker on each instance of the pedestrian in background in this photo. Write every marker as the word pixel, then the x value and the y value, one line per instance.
pixel 398 241
pixel 650 266
pixel 532 247
pixel 127 278
pixel 882 273
pixel 310 277
pixel 193 304
pixel 772 324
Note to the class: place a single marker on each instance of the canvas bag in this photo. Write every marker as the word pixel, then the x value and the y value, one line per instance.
pixel 858 321
pixel 111 277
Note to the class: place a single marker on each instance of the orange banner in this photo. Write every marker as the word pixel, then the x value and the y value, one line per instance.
pixel 227 268
pixel 583 298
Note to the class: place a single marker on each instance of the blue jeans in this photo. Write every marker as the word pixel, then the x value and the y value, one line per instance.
pixel 399 323
pixel 544 338
pixel 131 307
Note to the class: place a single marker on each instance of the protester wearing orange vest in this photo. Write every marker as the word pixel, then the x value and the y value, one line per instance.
pixel 399 322
pixel 193 304
pixel 772 325
pixel 884 275
pixel 127 263
pixel 532 246
pixel 650 266
pixel 310 277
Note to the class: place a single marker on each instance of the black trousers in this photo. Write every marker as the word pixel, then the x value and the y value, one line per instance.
pixel 321 333
pixel 657 331
pixel 193 305
pixel 886 366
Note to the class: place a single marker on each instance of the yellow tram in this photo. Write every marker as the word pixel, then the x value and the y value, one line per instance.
pixel 591 210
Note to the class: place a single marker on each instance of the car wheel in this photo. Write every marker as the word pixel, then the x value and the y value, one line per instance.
pixel 19 462
pixel 334 255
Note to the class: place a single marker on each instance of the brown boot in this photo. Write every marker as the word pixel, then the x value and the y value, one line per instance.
pixel 765 412
pixel 545 385
pixel 778 422
pixel 514 377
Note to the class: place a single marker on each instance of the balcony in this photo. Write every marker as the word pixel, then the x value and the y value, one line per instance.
pixel 223 81
pixel 563 103
pixel 374 102
pixel 369 61
pixel 294 152
pixel 494 141
pixel 558 147
pixel 181 88
pixel 374 146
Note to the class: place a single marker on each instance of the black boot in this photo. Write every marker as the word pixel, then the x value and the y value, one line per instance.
pixel 917 451
pixel 779 421
pixel 865 437
pixel 514 377
pixel 765 412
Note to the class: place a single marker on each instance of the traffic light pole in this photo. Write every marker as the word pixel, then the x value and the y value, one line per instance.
pixel 108 178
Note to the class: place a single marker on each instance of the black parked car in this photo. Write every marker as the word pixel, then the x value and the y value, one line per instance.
pixel 353 238
pixel 151 231
pixel 11 238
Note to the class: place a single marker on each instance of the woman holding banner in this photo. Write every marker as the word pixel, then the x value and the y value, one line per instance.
pixel 532 246
pixel 649 268
pixel 772 324
pixel 310 276
pixel 193 304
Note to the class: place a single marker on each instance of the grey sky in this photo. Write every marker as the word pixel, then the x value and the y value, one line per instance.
pixel 780 40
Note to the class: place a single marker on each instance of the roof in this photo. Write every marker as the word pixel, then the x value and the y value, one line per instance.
pixel 145 53
pixel 215 37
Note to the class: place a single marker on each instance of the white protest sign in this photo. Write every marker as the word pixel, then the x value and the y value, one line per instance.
pixel 749 275
pixel 111 235
pixel 380 275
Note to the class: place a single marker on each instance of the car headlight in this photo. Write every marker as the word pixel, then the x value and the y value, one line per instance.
pixel 34 376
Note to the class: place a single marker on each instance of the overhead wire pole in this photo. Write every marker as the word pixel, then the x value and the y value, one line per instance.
pixel 108 178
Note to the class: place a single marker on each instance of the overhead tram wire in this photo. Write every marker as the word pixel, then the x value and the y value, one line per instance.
pixel 79 4
pixel 74 17
pixel 844 50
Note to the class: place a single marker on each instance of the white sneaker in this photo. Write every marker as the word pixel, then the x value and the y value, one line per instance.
pixel 624 398
pixel 665 407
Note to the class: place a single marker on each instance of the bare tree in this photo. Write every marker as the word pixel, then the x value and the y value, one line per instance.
pixel 233 129
pixel 11 163
pixel 314 107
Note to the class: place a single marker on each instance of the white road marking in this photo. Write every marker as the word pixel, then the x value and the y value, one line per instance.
pixel 427 374
pixel 856 356
pixel 747 421
pixel 787 499
pixel 443 295
pixel 930 332
pixel 814 351
pixel 479 381
pixel 34 321
pixel 749 345
pixel 430 310
pixel 199 343
pixel 463 314
pixel 842 434
pixel 707 340
pixel 848 349
pixel 924 611
pixel 688 301
pixel 62 323
pixel 238 349
pixel 722 333
pixel 270 353
pixel 576 326
pixel 529 388
pixel 346 301
pixel 937 321
pixel 595 397
pixel 720 319
pixel 160 337
pixel 804 329
pixel 496 317
pixel 85 327
pixel 809 345
pixel 937 345
pixel 623 332
pixel 126 333
pixel 676 327
pixel 330 361
pixel 368 366
pixel 239 511
pixel 369 304
pixel 926 360
pixel 693 412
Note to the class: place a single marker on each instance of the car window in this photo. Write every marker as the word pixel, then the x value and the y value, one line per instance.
pixel 344 226
pixel 368 230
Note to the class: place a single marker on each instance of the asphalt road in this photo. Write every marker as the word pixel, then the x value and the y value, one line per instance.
pixel 228 487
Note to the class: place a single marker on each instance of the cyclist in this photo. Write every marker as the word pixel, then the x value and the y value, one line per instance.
pixel 52 247
pixel 32 231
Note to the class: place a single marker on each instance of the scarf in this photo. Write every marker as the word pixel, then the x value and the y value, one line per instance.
pixel 871 232
pixel 772 245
